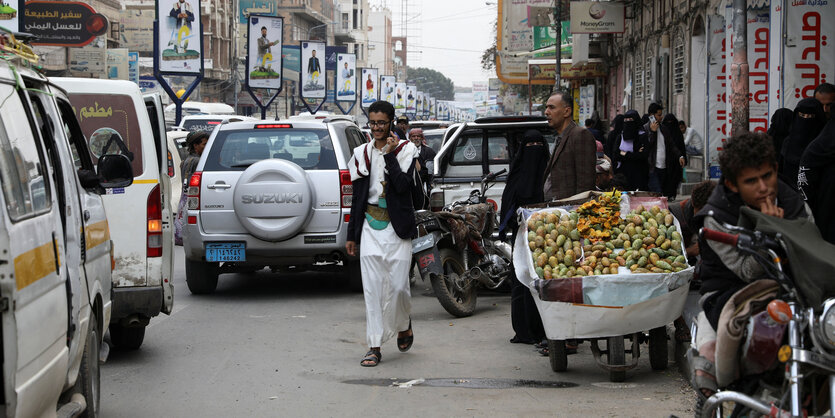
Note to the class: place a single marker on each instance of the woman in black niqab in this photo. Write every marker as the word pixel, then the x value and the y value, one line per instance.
pixel 809 120
pixel 778 130
pixel 524 186
pixel 675 149
pixel 617 129
pixel 629 152
pixel 816 180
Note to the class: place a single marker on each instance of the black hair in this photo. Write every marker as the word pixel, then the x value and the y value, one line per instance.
pixel 263 28
pixel 565 97
pixel 382 106
pixel 654 108
pixel 700 193
pixel 746 150
pixel 589 122
pixel 825 88
pixel 682 122
pixel 194 137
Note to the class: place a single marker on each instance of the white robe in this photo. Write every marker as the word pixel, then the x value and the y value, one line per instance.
pixel 385 258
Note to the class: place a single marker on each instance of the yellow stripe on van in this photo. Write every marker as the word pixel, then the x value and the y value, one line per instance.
pixel 148 181
pixel 34 265
pixel 97 234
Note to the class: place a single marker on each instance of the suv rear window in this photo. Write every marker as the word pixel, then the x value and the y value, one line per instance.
pixel 235 150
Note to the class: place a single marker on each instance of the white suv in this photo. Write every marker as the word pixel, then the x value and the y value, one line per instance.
pixel 271 194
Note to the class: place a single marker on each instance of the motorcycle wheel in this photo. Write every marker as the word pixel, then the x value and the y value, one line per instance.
pixel 617 357
pixel 658 348
pixel 557 355
pixel 459 303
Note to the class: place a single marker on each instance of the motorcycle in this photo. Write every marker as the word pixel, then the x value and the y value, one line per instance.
pixel 455 249
pixel 786 358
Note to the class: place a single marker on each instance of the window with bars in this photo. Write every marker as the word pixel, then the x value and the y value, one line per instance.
pixel 648 75
pixel 678 65
pixel 638 88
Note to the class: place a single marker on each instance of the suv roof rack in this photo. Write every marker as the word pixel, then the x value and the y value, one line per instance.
pixel 17 49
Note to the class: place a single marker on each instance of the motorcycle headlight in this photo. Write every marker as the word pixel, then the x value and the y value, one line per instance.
pixel 827 323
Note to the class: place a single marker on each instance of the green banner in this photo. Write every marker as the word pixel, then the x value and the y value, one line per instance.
pixel 543 37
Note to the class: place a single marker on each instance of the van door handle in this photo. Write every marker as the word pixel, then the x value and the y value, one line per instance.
pixel 219 186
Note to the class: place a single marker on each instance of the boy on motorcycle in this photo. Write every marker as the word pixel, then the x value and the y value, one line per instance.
pixel 749 177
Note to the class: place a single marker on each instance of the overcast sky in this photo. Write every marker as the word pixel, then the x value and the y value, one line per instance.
pixel 453 35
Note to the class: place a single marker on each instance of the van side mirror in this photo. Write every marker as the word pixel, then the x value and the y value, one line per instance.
pixel 115 171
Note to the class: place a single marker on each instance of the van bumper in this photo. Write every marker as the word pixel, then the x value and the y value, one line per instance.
pixel 142 301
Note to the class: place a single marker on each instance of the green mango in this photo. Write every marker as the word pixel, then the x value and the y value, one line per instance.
pixel 642 261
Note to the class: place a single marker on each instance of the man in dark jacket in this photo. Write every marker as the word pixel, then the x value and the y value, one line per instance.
pixel 571 169
pixel 749 177
pixel 381 225
pixel 426 161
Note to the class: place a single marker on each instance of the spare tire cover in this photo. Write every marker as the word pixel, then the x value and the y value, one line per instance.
pixel 273 199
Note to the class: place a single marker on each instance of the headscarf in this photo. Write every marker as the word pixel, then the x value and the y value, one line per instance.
pixel 631 125
pixel 417 131
pixel 669 126
pixel 803 130
pixel 193 138
pixel 821 151
pixel 525 180
pixel 781 124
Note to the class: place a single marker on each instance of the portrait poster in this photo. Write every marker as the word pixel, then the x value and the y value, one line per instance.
pixel 421 103
pixel 10 12
pixel 265 36
pixel 411 99
pixel 370 86
pixel 346 77
pixel 313 75
pixel 180 46
pixel 387 85
pixel 433 108
pixel 400 95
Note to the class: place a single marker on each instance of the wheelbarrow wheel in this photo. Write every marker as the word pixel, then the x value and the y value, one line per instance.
pixel 557 355
pixel 658 348
pixel 617 357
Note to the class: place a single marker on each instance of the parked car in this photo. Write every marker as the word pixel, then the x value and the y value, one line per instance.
pixel 271 194
pixel 55 248
pixel 207 122
pixel 430 124
pixel 473 149
pixel 117 118
pixel 197 108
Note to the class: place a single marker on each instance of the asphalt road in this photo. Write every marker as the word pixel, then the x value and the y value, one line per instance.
pixel 268 345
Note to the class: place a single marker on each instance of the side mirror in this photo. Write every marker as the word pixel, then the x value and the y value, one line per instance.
pixel 115 171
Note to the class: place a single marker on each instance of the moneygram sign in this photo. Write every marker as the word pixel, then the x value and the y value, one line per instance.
pixel 596 17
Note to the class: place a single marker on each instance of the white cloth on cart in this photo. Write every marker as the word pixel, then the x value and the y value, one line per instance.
pixel 385 260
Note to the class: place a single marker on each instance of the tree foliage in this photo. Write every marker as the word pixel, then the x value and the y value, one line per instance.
pixel 488 58
pixel 433 82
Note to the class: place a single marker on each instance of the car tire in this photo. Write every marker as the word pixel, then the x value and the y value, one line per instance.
pixel 127 338
pixel 89 376
pixel 353 271
pixel 201 277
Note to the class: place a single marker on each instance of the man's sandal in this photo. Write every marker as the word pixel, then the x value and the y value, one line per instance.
pixel 704 381
pixel 405 343
pixel 372 358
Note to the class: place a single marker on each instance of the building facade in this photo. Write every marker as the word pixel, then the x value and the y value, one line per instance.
pixel 380 48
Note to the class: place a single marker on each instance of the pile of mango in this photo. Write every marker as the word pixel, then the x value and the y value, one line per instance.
pixel 645 241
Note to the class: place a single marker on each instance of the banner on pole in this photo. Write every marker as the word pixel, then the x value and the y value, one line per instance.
pixel 180 43
pixel 265 36
pixel 346 78
pixel 411 99
pixel 387 84
pixel 313 75
pixel 370 86
pixel 400 96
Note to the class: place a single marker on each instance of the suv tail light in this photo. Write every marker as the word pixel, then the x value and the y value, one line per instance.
pixel 154 229
pixel 436 201
pixel 170 165
pixel 193 194
pixel 346 189
pixel 273 126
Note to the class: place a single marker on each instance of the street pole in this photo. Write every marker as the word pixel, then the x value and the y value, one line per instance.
pixel 558 42
pixel 739 69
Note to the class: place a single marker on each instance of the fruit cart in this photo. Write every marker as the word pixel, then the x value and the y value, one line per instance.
pixel 598 275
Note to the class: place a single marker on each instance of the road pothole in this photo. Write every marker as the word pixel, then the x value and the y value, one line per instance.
pixel 468 383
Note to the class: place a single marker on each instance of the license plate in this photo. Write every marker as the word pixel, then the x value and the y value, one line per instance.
pixel 421 243
pixel 226 251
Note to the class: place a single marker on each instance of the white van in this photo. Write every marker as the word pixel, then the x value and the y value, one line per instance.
pixel 140 213
pixel 197 108
pixel 55 249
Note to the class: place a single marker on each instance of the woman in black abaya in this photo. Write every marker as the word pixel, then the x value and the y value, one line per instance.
pixel 629 152
pixel 817 180
pixel 524 186
pixel 617 129
pixel 778 130
pixel 674 150
pixel 809 120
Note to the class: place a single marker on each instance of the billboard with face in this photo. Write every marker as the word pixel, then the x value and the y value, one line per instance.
pixel 400 96
pixel 370 89
pixel 313 76
pixel 346 77
pixel 264 52
pixel 180 41
pixel 411 99
pixel 387 86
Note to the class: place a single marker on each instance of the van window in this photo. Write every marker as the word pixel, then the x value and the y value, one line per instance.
pixel 22 168
pixel 78 145
pixel 102 116
pixel 235 150
pixel 468 150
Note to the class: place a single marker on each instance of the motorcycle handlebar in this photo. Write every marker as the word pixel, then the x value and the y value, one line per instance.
pixel 719 236
pixel 492 176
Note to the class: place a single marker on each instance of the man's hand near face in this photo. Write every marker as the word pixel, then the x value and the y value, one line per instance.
pixel 770 208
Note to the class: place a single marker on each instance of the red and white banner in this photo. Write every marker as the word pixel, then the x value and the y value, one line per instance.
pixel 719 126
pixel 809 54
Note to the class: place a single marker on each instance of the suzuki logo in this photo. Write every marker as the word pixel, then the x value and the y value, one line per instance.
pixel 272 198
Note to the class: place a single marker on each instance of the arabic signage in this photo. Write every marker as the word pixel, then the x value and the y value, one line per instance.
pixel 136 29
pixel 62 23
pixel 117 63
pixel 387 84
pixel 87 60
pixel 808 56
pixel 10 14
pixel 255 7
pixel 543 73
pixel 263 60
pixel 102 116
pixel 370 88
pixel 346 78
pixel 513 34
pixel 480 93
pixel 597 17
pixel 180 47
pixel 313 77
pixel 133 67
pixel 719 127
